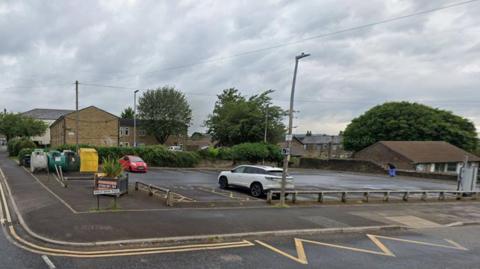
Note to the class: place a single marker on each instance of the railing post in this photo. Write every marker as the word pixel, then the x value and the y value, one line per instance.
pixel 365 196
pixel 269 197
pixel 344 197
pixel 386 196
pixel 320 197
pixel 405 196
pixel 169 199
pixel 424 196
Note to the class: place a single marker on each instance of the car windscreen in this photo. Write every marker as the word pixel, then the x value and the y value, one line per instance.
pixel 135 159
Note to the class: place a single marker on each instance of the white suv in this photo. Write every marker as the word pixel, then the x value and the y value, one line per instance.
pixel 259 179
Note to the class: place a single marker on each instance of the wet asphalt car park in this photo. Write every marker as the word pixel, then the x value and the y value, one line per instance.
pixel 202 186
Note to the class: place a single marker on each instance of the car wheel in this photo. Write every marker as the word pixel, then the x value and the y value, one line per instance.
pixel 256 189
pixel 223 182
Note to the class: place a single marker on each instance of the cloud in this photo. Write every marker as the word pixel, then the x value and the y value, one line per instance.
pixel 148 44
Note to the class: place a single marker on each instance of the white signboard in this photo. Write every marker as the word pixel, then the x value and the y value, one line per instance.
pixel 288 137
pixel 106 191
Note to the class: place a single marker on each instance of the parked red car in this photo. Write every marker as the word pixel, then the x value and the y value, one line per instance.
pixel 133 164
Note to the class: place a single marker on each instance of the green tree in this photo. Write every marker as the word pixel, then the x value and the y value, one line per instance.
pixel 127 113
pixel 236 119
pixel 16 125
pixel 165 112
pixel 404 121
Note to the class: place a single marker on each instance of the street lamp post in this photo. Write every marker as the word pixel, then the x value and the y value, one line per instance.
pixel 289 136
pixel 135 118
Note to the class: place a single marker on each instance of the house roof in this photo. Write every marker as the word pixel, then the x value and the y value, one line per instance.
pixel 322 139
pixel 73 111
pixel 429 151
pixel 46 113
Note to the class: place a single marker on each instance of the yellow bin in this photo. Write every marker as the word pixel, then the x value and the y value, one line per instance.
pixel 88 160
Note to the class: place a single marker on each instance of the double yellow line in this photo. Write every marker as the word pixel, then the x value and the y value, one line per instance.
pixel 35 248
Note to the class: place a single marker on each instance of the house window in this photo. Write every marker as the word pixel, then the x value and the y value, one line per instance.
pixel 142 133
pixel 452 167
pixel 124 131
pixel 440 167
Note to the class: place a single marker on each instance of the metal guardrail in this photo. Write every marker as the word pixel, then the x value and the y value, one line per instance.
pixel 152 189
pixel 344 194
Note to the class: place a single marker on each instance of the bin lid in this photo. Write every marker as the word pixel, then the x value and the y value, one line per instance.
pixel 87 150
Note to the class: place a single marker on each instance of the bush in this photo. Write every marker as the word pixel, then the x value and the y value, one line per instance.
pixel 209 153
pixel 24 152
pixel 16 144
pixel 251 152
pixel 11 146
pixel 225 154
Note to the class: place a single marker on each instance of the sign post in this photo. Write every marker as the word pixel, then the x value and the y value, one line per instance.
pixel 106 187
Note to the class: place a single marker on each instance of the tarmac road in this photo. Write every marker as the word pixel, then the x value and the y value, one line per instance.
pixel 426 248
pixel 303 179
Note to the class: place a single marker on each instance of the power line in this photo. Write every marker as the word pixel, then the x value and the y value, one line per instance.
pixel 210 60
pixel 368 25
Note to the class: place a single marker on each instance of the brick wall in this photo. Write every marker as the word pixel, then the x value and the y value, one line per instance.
pixel 96 127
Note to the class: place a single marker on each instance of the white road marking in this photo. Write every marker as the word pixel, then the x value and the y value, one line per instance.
pixel 48 262
pixel 414 222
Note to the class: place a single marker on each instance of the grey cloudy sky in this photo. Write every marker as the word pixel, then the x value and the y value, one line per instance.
pixel 434 59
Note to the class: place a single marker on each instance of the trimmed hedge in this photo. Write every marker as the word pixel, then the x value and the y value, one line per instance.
pixel 14 145
pixel 153 155
pixel 159 155
pixel 250 152
pixel 256 152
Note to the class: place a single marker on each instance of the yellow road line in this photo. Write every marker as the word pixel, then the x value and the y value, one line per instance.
pixel 384 251
pixel 301 256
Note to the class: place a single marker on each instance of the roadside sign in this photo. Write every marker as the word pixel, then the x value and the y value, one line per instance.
pixel 106 184
pixel 285 151
pixel 106 191
pixel 106 187
pixel 288 137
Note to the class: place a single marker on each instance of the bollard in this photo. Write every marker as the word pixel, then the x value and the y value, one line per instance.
pixel 169 199
pixel 405 196
pixel 344 197
pixel 424 196
pixel 136 186
pixel 294 197
pixel 150 192
pixel 441 195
